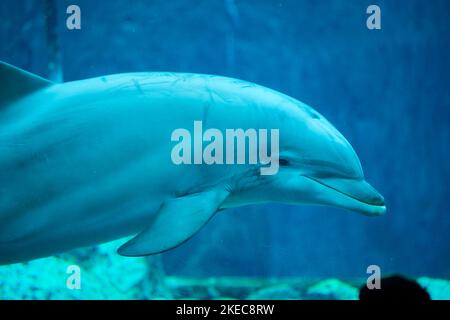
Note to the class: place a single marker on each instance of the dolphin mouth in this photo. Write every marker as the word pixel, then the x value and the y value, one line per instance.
pixel 352 194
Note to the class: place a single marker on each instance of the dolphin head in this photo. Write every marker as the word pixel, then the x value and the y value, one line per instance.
pixel 317 165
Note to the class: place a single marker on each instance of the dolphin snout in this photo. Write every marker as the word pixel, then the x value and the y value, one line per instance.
pixel 368 194
pixel 354 194
pixel 376 198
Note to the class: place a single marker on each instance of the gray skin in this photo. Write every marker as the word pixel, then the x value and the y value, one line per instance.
pixel 89 161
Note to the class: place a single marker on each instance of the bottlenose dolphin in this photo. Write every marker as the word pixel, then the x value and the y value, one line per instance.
pixel 88 161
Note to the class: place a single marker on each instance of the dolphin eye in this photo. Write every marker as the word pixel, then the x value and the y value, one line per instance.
pixel 283 162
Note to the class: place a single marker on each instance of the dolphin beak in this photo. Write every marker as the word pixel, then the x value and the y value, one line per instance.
pixel 352 194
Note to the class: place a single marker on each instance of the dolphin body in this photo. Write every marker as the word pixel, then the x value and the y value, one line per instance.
pixel 88 161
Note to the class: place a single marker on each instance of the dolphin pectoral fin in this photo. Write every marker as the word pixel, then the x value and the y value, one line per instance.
pixel 176 222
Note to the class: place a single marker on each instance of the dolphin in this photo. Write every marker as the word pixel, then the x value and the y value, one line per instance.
pixel 89 161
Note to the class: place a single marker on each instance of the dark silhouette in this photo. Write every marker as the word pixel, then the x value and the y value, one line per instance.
pixel 395 287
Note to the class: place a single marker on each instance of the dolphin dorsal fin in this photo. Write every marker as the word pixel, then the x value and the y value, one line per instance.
pixel 16 83
pixel 176 221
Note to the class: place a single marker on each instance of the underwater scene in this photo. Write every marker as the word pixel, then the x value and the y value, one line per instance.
pixel 224 149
